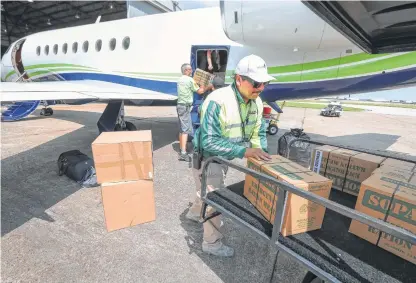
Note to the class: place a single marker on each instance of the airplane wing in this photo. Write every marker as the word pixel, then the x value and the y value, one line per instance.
pixel 374 26
pixel 83 89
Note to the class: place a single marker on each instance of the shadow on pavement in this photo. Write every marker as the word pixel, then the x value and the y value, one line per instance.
pixel 30 182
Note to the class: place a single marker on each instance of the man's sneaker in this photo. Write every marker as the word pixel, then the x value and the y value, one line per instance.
pixel 184 157
pixel 192 216
pixel 218 249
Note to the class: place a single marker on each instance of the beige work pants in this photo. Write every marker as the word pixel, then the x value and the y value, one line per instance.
pixel 215 179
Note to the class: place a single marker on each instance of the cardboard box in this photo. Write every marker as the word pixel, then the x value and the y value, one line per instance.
pixel 203 78
pixel 374 198
pixel 251 184
pixel 390 197
pixel 128 203
pixel 360 168
pixel 123 156
pixel 319 158
pixel 401 214
pixel 301 215
pixel 391 162
pixel 337 166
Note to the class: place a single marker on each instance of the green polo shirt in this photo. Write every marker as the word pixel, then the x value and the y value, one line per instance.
pixel 186 89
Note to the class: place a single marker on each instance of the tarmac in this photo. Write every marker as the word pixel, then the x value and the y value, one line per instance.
pixel 54 231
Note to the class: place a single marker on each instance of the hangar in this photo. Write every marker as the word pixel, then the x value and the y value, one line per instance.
pixel 22 18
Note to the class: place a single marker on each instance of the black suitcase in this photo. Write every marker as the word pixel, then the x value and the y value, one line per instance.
pixel 75 165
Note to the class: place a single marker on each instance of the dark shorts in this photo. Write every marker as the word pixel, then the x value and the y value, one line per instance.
pixel 184 115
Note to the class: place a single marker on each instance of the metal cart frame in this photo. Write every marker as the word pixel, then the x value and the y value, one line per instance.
pixel 284 188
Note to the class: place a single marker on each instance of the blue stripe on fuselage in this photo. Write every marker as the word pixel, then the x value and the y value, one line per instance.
pixel 149 84
pixel 277 91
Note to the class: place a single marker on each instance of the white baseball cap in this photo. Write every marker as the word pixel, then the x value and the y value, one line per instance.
pixel 254 67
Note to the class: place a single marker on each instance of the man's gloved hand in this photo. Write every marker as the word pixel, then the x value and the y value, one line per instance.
pixel 257 153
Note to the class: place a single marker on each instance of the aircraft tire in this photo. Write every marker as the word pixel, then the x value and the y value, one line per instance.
pixel 130 126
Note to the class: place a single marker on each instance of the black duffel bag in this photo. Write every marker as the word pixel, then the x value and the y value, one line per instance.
pixel 77 166
pixel 300 151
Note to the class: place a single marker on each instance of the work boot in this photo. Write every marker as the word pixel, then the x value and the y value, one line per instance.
pixel 184 156
pixel 218 249
pixel 192 216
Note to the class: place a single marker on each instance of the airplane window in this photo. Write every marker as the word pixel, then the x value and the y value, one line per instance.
pixel 112 44
pixel 75 47
pixel 126 43
pixel 55 49
pixel 98 45
pixel 64 48
pixel 85 46
pixel 38 50
pixel 47 49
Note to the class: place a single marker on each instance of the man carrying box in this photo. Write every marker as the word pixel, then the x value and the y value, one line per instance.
pixel 186 89
pixel 231 127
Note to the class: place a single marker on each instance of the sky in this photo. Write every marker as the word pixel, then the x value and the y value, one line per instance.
pixel 187 5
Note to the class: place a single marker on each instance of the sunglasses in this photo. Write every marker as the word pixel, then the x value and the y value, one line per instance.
pixel 254 83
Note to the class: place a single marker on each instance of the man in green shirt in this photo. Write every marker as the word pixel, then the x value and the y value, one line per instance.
pixel 186 89
pixel 232 126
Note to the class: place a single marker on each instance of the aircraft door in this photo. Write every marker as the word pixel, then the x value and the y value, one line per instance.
pixel 16 56
pixel 219 60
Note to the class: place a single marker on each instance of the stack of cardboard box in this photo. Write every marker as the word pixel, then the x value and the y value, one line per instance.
pixel 300 215
pixel 347 168
pixel 385 189
pixel 389 196
pixel 124 168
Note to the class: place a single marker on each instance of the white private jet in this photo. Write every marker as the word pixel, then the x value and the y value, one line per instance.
pixel 140 58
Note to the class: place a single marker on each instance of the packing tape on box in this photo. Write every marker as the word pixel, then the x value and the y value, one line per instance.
pixel 122 163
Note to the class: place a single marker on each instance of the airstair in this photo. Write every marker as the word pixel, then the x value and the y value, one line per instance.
pixel 19 109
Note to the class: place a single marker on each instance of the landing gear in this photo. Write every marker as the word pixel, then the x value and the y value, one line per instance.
pixel 46 111
pixel 128 126
pixel 112 118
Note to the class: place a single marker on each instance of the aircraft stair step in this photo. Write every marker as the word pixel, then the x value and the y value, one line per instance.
pixel 19 110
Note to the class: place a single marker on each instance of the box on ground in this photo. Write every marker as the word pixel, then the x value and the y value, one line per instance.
pixel 123 156
pixel 128 203
pixel 301 215
pixel 392 198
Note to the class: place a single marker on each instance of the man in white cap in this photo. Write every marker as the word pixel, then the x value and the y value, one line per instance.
pixel 231 127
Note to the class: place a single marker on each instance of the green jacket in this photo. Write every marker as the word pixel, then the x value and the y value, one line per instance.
pixel 220 129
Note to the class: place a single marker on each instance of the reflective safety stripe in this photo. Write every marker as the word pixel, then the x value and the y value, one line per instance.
pixel 221 124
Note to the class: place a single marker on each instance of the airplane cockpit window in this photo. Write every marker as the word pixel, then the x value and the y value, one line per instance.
pixel 55 49
pixel 46 49
pixel 98 45
pixel 38 50
pixel 64 48
pixel 75 47
pixel 126 43
pixel 112 44
pixel 85 46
